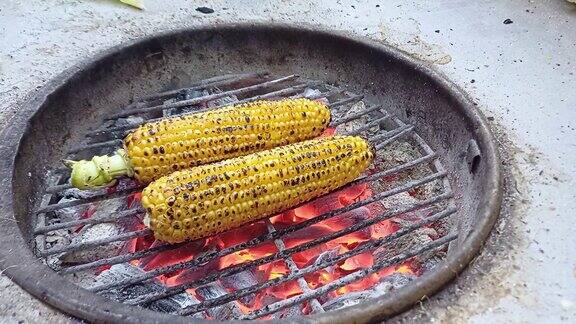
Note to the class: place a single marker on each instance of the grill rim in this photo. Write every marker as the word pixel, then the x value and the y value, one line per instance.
pixel 39 280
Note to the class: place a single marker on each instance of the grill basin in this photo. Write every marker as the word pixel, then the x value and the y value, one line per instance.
pixel 69 107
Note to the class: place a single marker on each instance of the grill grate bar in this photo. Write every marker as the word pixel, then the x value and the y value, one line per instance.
pixel 350 99
pixel 355 276
pixel 140 254
pixel 396 133
pixel 105 240
pixel 121 258
pixel 273 94
pixel 357 115
pixel 118 142
pixel 58 188
pixel 41 219
pixel 91 220
pixel 212 82
pixel 363 247
pixel 268 95
pixel 281 255
pixel 114 142
pixel 369 125
pixel 95 198
pixel 277 234
pixel 194 101
pixel 314 303
pixel 262 84
pixel 128 191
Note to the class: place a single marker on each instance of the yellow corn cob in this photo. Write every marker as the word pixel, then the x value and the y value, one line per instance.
pixel 159 148
pixel 213 198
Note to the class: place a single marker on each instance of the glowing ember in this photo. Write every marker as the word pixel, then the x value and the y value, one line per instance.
pixel 316 255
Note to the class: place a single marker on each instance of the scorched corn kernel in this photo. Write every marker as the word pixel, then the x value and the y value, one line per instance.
pixel 209 199
pixel 159 148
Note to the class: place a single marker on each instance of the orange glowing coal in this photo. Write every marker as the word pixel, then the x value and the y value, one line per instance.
pixel 279 268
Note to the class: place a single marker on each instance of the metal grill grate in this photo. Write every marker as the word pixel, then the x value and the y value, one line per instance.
pixel 248 87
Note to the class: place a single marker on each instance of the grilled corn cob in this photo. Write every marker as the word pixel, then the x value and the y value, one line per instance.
pixel 213 198
pixel 159 148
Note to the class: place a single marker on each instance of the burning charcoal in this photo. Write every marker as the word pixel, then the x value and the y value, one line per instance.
pixel 227 311
pixel 288 312
pixel 129 121
pixel 57 238
pixel 308 233
pixel 354 124
pixel 392 282
pixel 67 214
pixel 411 241
pixel 325 257
pixel 188 94
pixel 89 234
pixel 309 92
pixel 414 216
pixel 190 275
pixel 401 199
pixel 268 299
pixel 54 239
pixel 124 184
pixel 186 109
pixel 228 100
pixel 241 280
pixel 399 152
pixel 346 300
pixel 432 262
pixel 109 207
pixel 126 271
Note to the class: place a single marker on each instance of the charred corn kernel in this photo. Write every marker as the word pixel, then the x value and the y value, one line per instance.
pixel 212 198
pixel 159 148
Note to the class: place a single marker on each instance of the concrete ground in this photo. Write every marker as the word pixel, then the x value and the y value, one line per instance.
pixel 521 74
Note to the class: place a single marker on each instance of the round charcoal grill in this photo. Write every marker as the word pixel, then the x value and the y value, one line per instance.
pixel 437 163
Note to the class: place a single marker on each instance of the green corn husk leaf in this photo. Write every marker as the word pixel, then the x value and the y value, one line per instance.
pixel 134 3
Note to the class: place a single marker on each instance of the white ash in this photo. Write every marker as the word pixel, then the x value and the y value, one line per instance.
pixel 324 257
pixel 67 214
pixel 386 285
pixel 64 237
pixel 401 152
pixel 347 300
pixel 408 242
pixel 241 280
pixel 125 271
pixel 392 282
pixel 75 193
pixel 227 100
pixel 310 92
pixel 294 310
pixel 227 311
pixel 55 239
pixel 188 94
pixel 108 207
pixel 128 121
pixel 354 124
pixel 401 199
pixel 288 312
pixel 91 233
